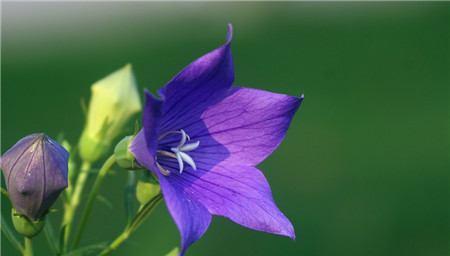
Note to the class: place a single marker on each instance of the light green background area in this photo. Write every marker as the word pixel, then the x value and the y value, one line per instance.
pixel 365 167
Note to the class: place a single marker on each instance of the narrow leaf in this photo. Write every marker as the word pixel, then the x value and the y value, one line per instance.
pixel 4 192
pixel 104 201
pixel 87 250
pixel 62 234
pixel 7 232
pixel 50 236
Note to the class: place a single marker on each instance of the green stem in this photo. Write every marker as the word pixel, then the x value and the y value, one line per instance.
pixel 135 223
pixel 74 202
pixel 144 212
pixel 28 251
pixel 116 243
pixel 92 196
pixel 130 193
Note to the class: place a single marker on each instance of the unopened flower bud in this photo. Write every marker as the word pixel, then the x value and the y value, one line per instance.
pixel 114 101
pixel 124 157
pixel 26 226
pixel 35 171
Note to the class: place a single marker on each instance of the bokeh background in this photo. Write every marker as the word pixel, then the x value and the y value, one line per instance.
pixel 365 167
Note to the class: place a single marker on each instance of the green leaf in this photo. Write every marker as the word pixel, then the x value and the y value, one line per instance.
pixel 50 236
pixel 4 192
pixel 8 233
pixel 93 171
pixel 62 234
pixel 87 250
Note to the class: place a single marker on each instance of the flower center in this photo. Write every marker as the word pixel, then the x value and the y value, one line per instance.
pixel 179 152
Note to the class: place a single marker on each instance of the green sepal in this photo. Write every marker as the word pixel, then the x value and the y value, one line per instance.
pixel 26 226
pixel 124 157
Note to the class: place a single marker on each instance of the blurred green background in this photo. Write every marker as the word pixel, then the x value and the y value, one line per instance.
pixel 365 167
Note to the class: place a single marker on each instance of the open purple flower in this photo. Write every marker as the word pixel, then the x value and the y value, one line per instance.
pixel 203 139
pixel 35 171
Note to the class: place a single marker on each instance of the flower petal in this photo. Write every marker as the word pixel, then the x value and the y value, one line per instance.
pixel 249 124
pixel 190 216
pixel 199 85
pixel 145 143
pixel 240 193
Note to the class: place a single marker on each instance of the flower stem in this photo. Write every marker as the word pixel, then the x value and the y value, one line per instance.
pixel 138 219
pixel 28 247
pixel 92 196
pixel 116 243
pixel 144 212
pixel 74 202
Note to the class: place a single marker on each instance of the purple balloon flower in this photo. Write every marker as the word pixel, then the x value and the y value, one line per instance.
pixel 203 139
pixel 35 171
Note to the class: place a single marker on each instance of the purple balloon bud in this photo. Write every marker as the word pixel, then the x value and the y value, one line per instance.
pixel 35 171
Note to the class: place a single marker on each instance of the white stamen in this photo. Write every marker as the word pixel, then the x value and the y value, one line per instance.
pixel 166 153
pixel 162 170
pixel 190 146
pixel 188 159
pixel 162 136
pixel 180 162
pixel 183 138
pixel 179 152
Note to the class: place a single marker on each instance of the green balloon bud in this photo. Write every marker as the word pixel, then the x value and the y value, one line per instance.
pixel 146 191
pixel 124 157
pixel 26 226
pixel 115 99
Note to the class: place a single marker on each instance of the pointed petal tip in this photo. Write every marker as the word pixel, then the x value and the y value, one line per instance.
pixel 285 229
pixel 301 98
pixel 292 235
pixel 288 231
pixel 229 33
pixel 128 67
